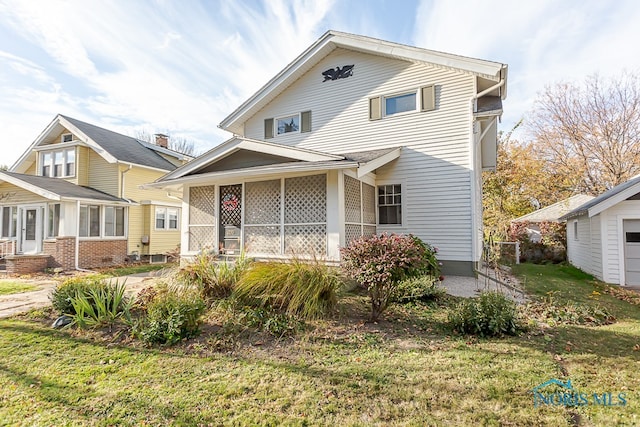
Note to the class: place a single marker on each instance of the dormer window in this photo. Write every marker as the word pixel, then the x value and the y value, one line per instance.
pixel 58 163
pixel 67 137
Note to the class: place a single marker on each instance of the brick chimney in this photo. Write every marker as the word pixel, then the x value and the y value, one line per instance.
pixel 162 140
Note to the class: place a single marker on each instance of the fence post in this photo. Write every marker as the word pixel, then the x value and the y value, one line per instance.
pixel 517 252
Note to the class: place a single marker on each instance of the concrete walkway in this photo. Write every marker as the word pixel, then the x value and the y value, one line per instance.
pixel 13 304
pixel 469 287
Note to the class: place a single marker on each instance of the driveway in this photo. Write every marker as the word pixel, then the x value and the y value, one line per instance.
pixel 13 304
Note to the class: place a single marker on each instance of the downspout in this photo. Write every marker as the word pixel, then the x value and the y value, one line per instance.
pixel 77 267
pixel 122 196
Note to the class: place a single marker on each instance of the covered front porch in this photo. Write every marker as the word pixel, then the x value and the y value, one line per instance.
pixel 52 223
pixel 285 202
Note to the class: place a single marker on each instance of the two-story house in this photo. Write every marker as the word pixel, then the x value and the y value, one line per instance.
pixel 355 136
pixel 74 200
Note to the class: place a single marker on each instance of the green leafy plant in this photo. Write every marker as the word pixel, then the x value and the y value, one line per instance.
pixel 421 288
pixel 62 295
pixel 298 288
pixel 171 316
pixel 491 314
pixel 212 277
pixel 378 263
pixel 101 305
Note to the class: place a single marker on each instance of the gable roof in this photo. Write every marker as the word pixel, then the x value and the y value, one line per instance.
pixel 332 40
pixel 112 146
pixel 302 160
pixel 56 188
pixel 555 211
pixel 607 199
pixel 235 144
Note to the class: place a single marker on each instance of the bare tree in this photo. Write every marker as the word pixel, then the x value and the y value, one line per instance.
pixel 179 144
pixel 590 131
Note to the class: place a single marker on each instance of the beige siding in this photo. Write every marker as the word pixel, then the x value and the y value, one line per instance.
pixel 103 176
pixel 13 195
pixel 82 168
pixel 137 230
pixel 138 176
pixel 31 170
pixel 435 165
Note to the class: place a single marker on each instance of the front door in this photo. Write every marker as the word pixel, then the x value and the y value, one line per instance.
pixel 631 236
pixel 230 219
pixel 31 229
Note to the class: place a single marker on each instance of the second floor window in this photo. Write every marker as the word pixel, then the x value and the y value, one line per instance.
pixel 59 164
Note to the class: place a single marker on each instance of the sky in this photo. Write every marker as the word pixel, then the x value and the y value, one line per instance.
pixel 179 67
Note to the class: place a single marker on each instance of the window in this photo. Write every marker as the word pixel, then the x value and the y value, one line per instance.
pixel 390 204
pixel 114 221
pixel 67 137
pixel 161 215
pixel 89 221
pixel 288 124
pixel 9 221
pixel 166 218
pixel 291 124
pixel 399 104
pixel 54 220
pixel 388 105
pixel 60 163
pixel 575 230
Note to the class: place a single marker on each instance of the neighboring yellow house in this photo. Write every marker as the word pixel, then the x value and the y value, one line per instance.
pixel 74 200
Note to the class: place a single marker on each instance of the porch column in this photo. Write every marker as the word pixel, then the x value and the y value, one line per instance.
pixel 335 215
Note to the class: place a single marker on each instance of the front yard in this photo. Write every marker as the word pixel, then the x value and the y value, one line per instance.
pixel 408 369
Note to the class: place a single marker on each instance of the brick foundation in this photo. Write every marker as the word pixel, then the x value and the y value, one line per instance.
pixel 62 251
pixel 25 264
pixel 102 253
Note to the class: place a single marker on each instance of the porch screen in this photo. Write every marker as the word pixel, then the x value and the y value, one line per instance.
pixel 202 201
pixel 262 217
pixel 360 209
pixel 305 215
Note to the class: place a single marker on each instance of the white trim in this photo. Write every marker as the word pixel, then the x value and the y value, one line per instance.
pixel 160 203
pixel 379 162
pixel 60 146
pixel 614 200
pixel 281 168
pixel 234 144
pixel 277 134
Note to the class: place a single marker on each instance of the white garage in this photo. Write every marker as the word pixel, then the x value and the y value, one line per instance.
pixel 631 228
pixel 603 235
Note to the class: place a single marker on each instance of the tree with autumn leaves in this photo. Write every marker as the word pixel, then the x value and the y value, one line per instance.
pixel 579 138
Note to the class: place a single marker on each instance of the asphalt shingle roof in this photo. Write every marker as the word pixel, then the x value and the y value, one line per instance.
pixel 122 147
pixel 604 196
pixel 63 188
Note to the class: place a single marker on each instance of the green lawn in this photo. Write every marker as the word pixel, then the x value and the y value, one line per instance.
pixel 8 287
pixel 406 370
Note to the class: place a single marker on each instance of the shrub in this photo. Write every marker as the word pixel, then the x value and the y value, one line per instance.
pixel 298 288
pixel 378 263
pixel 213 278
pixel 171 317
pixel 63 293
pixel 491 314
pixel 100 305
pixel 421 288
